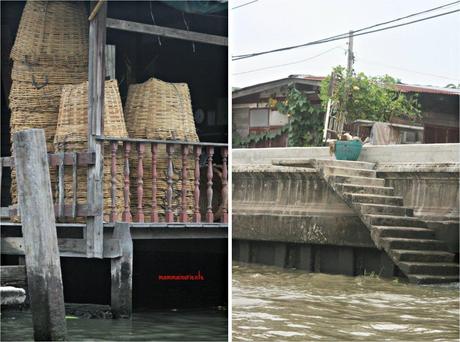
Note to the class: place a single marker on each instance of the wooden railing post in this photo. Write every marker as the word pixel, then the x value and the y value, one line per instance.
pixel 224 217
pixel 169 215
pixel 39 235
pixel 74 184
pixel 209 213
pixel 196 192
pixel 126 193
pixel 96 83
pixel 140 182
pixel 183 213
pixel 113 181
pixel 154 183
pixel 61 191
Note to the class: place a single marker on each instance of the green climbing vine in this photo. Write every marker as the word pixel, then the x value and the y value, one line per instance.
pixel 305 119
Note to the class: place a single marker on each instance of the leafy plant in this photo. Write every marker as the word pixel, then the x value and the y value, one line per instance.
pixel 238 141
pixel 305 120
pixel 370 98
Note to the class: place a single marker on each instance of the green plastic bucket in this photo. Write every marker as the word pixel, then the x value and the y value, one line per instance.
pixel 348 150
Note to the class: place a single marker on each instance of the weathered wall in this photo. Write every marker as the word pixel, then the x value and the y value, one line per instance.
pixel 275 203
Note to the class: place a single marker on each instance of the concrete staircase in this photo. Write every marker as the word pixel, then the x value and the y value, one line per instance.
pixel 408 241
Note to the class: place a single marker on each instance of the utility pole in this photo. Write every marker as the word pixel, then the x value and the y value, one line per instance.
pixel 351 56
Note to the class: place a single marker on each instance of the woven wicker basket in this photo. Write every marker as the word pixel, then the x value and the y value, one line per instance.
pixel 25 97
pixel 160 110
pixel 52 33
pixel 71 135
pixel 50 74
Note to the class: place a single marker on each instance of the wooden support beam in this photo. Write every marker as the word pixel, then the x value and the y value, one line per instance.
pixel 13 276
pixel 40 238
pixel 83 159
pixel 122 273
pixel 169 32
pixel 96 83
pixel 75 248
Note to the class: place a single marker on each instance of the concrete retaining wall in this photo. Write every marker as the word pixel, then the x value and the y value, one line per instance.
pixel 276 203
pixel 412 153
pixel 294 205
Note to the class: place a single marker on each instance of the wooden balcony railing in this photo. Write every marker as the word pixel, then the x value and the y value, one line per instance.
pixel 193 200
pixel 196 153
pixel 58 161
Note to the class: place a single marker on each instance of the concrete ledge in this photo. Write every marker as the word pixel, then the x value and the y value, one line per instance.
pixel 411 153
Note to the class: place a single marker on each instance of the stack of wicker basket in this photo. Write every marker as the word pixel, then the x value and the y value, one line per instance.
pixel 50 50
pixel 163 111
pixel 72 135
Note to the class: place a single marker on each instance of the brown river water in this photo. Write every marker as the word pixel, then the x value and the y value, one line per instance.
pixel 273 304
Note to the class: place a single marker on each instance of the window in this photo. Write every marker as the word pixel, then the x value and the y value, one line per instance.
pixel 258 117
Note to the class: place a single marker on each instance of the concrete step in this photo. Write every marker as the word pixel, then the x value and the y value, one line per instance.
pixel 357 180
pixel 417 255
pixel 348 171
pixel 414 244
pixel 379 232
pixel 345 163
pixel 365 189
pixel 384 209
pixel 432 268
pixel 432 279
pixel 374 199
pixel 390 220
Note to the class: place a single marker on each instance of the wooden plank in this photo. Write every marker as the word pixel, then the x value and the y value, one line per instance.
pixel 1 170
pixel 67 247
pixel 7 161
pixel 164 142
pixel 84 159
pixel 82 210
pixel 96 83
pixel 169 32
pixel 43 265
pixel 96 10
pixel 74 185
pixel 61 191
pixel 122 273
pixel 5 212
pixel 13 276
pixel 110 62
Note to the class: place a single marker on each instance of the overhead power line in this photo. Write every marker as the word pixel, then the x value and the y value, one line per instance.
pixel 242 5
pixel 290 63
pixel 407 70
pixel 343 36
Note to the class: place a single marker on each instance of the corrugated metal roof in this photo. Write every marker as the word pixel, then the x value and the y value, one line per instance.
pixel 405 88
pixel 409 88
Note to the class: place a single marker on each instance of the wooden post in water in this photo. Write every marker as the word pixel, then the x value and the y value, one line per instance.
pixel 39 233
pixel 122 273
pixel 96 84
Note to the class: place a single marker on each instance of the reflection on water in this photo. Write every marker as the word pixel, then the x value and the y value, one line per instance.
pixel 209 325
pixel 275 304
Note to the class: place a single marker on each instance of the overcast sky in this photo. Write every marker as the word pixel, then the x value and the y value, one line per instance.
pixel 426 53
